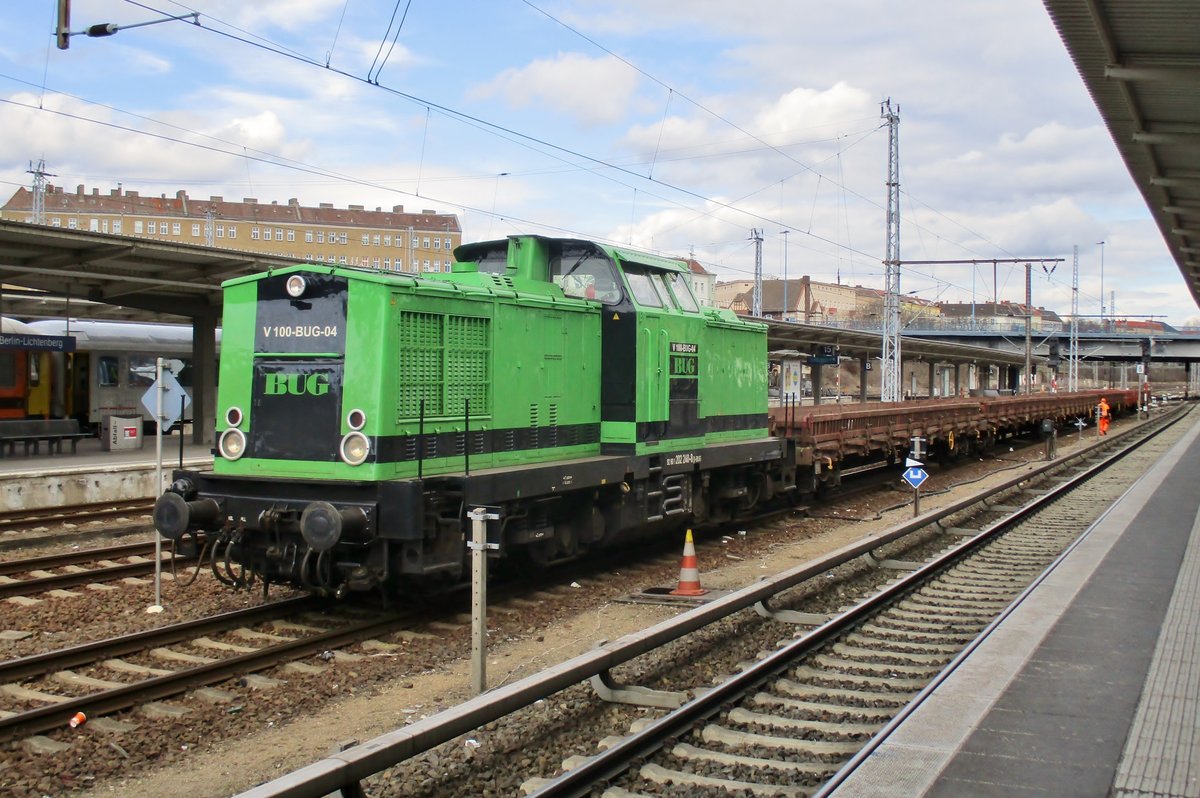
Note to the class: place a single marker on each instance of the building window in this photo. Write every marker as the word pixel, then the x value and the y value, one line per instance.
pixel 291 234
pixel 342 260
pixel 195 230
pixel 176 228
pixel 56 221
pixel 220 231
pixel 416 265
pixel 437 243
pixel 366 239
pixel 137 227
pixel 416 242
pixel 427 263
pixel 342 240
pixel 387 241
pixel 308 236
pixel 320 236
pixel 278 233
pixel 253 233
pixel 94 225
pixel 232 231
pixel 72 223
pixel 375 263
pixel 116 226
pixel 375 239
pixel 320 259
pixel 387 263
pixel 447 244
pixel 426 242
pixel 266 234
pixel 152 228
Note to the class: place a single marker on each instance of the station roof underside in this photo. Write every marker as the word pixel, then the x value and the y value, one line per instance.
pixel 131 279
pixel 46 269
pixel 1141 63
pixel 802 338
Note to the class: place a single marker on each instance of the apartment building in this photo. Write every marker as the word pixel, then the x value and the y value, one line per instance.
pixel 392 240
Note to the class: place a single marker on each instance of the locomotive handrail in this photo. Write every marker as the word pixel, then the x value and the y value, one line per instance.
pixel 358 762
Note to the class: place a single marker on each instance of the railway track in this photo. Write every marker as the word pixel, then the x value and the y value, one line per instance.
pixel 825 673
pixel 13 520
pixel 788 721
pixel 37 576
pixel 108 676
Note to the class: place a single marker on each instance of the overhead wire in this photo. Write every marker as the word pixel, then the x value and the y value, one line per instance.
pixel 598 164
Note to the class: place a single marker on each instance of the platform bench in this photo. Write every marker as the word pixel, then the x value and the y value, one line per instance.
pixel 32 432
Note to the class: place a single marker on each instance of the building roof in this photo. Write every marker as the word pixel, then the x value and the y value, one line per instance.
pixel 249 209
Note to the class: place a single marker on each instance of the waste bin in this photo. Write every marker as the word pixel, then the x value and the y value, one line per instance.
pixel 117 433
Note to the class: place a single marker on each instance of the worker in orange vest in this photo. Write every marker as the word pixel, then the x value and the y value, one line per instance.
pixel 1103 415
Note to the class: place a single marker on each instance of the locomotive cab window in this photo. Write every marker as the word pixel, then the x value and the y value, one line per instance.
pixel 641 283
pixel 585 274
pixel 682 293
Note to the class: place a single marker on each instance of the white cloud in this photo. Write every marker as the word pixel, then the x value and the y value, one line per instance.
pixel 592 90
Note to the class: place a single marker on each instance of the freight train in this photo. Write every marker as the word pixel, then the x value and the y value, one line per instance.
pixel 577 388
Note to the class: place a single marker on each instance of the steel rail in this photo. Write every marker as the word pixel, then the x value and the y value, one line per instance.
pixel 50 561
pixel 610 763
pixel 20 519
pixel 102 703
pixel 347 769
pixel 39 664
pixel 59 581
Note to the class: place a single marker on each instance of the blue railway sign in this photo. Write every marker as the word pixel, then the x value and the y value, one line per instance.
pixel 915 477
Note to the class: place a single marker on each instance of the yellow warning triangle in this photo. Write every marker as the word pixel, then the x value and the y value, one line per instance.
pixel 616 317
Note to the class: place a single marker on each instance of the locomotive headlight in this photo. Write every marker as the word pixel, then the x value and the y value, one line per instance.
pixel 232 444
pixel 355 448
pixel 233 417
pixel 295 286
pixel 356 419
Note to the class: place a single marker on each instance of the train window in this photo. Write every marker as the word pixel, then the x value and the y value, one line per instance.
pixel 106 372
pixel 35 370
pixel 642 286
pixel 683 294
pixel 8 370
pixel 584 273
pixel 142 369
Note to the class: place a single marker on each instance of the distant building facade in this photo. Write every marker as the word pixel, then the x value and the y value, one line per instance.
pixel 702 281
pixel 388 240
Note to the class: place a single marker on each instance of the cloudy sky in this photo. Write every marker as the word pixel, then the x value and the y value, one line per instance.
pixel 676 127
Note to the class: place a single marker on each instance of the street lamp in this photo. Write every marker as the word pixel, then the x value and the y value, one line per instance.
pixel 785 283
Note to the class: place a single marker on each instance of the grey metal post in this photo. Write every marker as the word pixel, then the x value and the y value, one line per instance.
pixel 158 480
pixel 479 546
pixel 864 371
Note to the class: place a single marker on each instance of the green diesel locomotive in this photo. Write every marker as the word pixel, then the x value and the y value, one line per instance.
pixel 577 388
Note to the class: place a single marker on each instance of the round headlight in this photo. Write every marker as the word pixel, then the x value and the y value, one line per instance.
pixel 355 448
pixel 232 444
pixel 296 286
pixel 233 417
pixel 356 419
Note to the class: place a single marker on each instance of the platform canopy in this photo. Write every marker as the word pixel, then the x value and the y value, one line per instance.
pixel 52 272
pixel 1140 60
pixel 807 339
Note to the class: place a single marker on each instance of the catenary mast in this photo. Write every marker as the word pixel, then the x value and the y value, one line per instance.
pixel 890 390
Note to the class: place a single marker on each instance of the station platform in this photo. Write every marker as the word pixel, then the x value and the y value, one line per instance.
pixel 92 475
pixel 89 454
pixel 1089 685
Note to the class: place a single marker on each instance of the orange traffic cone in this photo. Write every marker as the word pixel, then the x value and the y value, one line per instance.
pixel 689 575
